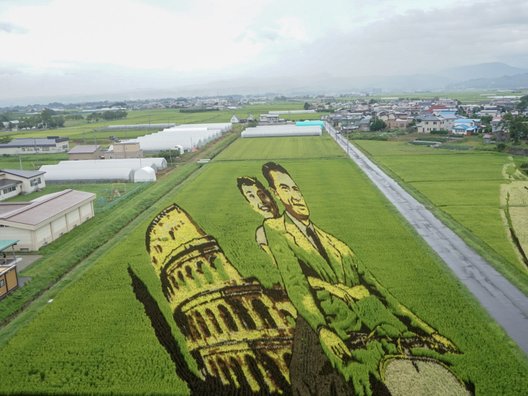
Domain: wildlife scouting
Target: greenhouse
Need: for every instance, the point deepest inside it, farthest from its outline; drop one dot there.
(282, 130)
(146, 174)
(135, 163)
(103, 170)
(188, 136)
(310, 123)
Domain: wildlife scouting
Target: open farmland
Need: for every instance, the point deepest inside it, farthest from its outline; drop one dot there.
(283, 148)
(88, 133)
(465, 187)
(30, 161)
(78, 246)
(94, 337)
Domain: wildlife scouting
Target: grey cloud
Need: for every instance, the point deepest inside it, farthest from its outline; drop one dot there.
(11, 28)
(419, 42)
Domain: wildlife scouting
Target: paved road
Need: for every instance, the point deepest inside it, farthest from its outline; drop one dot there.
(504, 302)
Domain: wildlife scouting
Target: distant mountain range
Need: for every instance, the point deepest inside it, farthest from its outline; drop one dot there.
(481, 71)
(480, 76)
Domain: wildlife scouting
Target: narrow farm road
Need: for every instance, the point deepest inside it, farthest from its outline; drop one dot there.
(503, 301)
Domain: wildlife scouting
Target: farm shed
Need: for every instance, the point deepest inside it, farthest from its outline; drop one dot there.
(282, 130)
(8, 270)
(84, 152)
(44, 219)
(124, 150)
(14, 182)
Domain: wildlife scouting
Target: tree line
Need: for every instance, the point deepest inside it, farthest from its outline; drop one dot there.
(107, 115)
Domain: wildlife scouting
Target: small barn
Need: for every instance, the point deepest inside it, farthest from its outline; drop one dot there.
(85, 152)
(124, 150)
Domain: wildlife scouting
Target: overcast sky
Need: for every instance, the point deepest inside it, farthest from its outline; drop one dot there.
(97, 47)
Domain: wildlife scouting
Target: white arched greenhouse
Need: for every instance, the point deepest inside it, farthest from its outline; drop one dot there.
(55, 173)
(135, 163)
(66, 172)
(188, 136)
(282, 130)
(146, 174)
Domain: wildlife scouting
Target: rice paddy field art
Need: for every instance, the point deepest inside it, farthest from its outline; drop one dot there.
(131, 324)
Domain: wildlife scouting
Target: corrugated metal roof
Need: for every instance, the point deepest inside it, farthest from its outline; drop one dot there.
(4, 244)
(46, 207)
(6, 207)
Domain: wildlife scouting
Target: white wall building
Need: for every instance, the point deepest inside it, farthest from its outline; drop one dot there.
(428, 123)
(14, 182)
(35, 145)
(44, 219)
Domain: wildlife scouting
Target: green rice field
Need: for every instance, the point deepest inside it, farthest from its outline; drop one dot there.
(464, 186)
(94, 336)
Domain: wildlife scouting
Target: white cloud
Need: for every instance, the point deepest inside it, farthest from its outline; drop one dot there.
(131, 34)
(88, 45)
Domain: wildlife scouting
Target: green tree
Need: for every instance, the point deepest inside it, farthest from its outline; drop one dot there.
(517, 126)
(523, 104)
(486, 123)
(377, 124)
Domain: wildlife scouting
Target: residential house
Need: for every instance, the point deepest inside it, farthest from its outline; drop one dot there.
(465, 126)
(427, 123)
(14, 182)
(398, 121)
(269, 119)
(364, 124)
(10, 125)
(448, 117)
